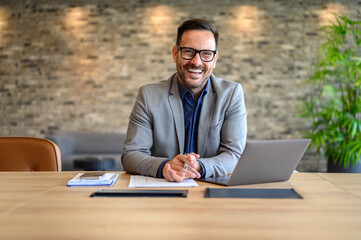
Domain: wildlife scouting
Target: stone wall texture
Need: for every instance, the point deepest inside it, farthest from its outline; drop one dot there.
(75, 66)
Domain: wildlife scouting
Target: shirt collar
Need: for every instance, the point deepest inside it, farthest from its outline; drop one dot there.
(183, 91)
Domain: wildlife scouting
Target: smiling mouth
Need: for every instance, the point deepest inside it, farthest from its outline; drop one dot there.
(194, 73)
(194, 70)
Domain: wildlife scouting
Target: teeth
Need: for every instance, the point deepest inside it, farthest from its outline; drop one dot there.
(195, 70)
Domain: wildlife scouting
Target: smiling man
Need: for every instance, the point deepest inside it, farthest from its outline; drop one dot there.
(193, 124)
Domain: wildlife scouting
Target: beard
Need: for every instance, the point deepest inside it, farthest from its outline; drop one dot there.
(188, 82)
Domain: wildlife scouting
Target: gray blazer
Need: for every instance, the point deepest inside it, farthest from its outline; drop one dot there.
(156, 127)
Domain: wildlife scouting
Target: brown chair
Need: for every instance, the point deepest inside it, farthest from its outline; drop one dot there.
(29, 154)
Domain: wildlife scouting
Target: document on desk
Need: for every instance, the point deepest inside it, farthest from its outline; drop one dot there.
(143, 182)
(108, 179)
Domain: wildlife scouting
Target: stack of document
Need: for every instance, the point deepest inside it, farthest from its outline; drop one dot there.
(107, 179)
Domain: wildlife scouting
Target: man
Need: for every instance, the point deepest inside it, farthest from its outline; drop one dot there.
(193, 124)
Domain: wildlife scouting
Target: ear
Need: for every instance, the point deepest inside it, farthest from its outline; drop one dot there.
(175, 53)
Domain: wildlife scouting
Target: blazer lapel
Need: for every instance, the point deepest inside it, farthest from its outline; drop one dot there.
(206, 117)
(177, 110)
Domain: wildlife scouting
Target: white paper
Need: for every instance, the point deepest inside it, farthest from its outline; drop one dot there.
(142, 181)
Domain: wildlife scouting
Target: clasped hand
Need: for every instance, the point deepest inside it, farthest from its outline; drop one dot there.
(174, 170)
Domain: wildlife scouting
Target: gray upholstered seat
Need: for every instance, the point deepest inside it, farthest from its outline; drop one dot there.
(84, 145)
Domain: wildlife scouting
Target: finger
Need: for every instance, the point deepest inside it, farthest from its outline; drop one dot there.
(191, 160)
(191, 157)
(193, 173)
(166, 173)
(195, 155)
(194, 168)
(194, 159)
(172, 175)
(178, 160)
(189, 173)
(182, 160)
(178, 176)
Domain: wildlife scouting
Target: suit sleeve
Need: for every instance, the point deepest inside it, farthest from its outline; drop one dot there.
(136, 157)
(233, 135)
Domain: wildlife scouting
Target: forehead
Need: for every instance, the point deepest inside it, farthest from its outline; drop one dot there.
(198, 39)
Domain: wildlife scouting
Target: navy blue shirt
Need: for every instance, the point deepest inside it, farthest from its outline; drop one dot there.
(191, 110)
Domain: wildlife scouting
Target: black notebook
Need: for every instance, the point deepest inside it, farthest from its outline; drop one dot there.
(251, 193)
(139, 193)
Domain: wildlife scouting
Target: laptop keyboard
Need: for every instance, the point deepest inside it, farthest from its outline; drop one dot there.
(221, 179)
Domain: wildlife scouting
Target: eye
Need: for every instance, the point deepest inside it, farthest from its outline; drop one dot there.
(207, 53)
(188, 51)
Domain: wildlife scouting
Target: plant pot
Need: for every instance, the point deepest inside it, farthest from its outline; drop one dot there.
(331, 167)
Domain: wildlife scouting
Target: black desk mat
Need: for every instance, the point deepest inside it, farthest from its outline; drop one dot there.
(289, 193)
(139, 193)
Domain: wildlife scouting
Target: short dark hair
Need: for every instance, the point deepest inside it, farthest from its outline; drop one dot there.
(196, 24)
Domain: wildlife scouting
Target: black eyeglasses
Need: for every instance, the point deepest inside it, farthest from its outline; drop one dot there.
(189, 53)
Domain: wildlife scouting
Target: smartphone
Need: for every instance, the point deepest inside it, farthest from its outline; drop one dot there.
(92, 175)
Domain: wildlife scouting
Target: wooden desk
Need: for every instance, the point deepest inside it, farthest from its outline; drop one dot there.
(38, 205)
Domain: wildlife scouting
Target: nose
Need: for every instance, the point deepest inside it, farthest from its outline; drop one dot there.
(196, 60)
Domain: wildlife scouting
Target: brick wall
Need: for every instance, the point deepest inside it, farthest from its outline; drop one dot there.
(76, 65)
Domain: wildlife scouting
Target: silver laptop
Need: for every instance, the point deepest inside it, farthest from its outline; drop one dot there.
(265, 161)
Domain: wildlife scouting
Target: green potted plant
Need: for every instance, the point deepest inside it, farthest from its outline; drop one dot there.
(334, 106)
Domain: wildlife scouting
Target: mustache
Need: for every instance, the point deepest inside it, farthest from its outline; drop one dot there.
(191, 65)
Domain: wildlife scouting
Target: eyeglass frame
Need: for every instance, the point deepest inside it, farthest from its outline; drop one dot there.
(197, 51)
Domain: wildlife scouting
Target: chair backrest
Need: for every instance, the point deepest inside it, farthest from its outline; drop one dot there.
(88, 143)
(29, 154)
